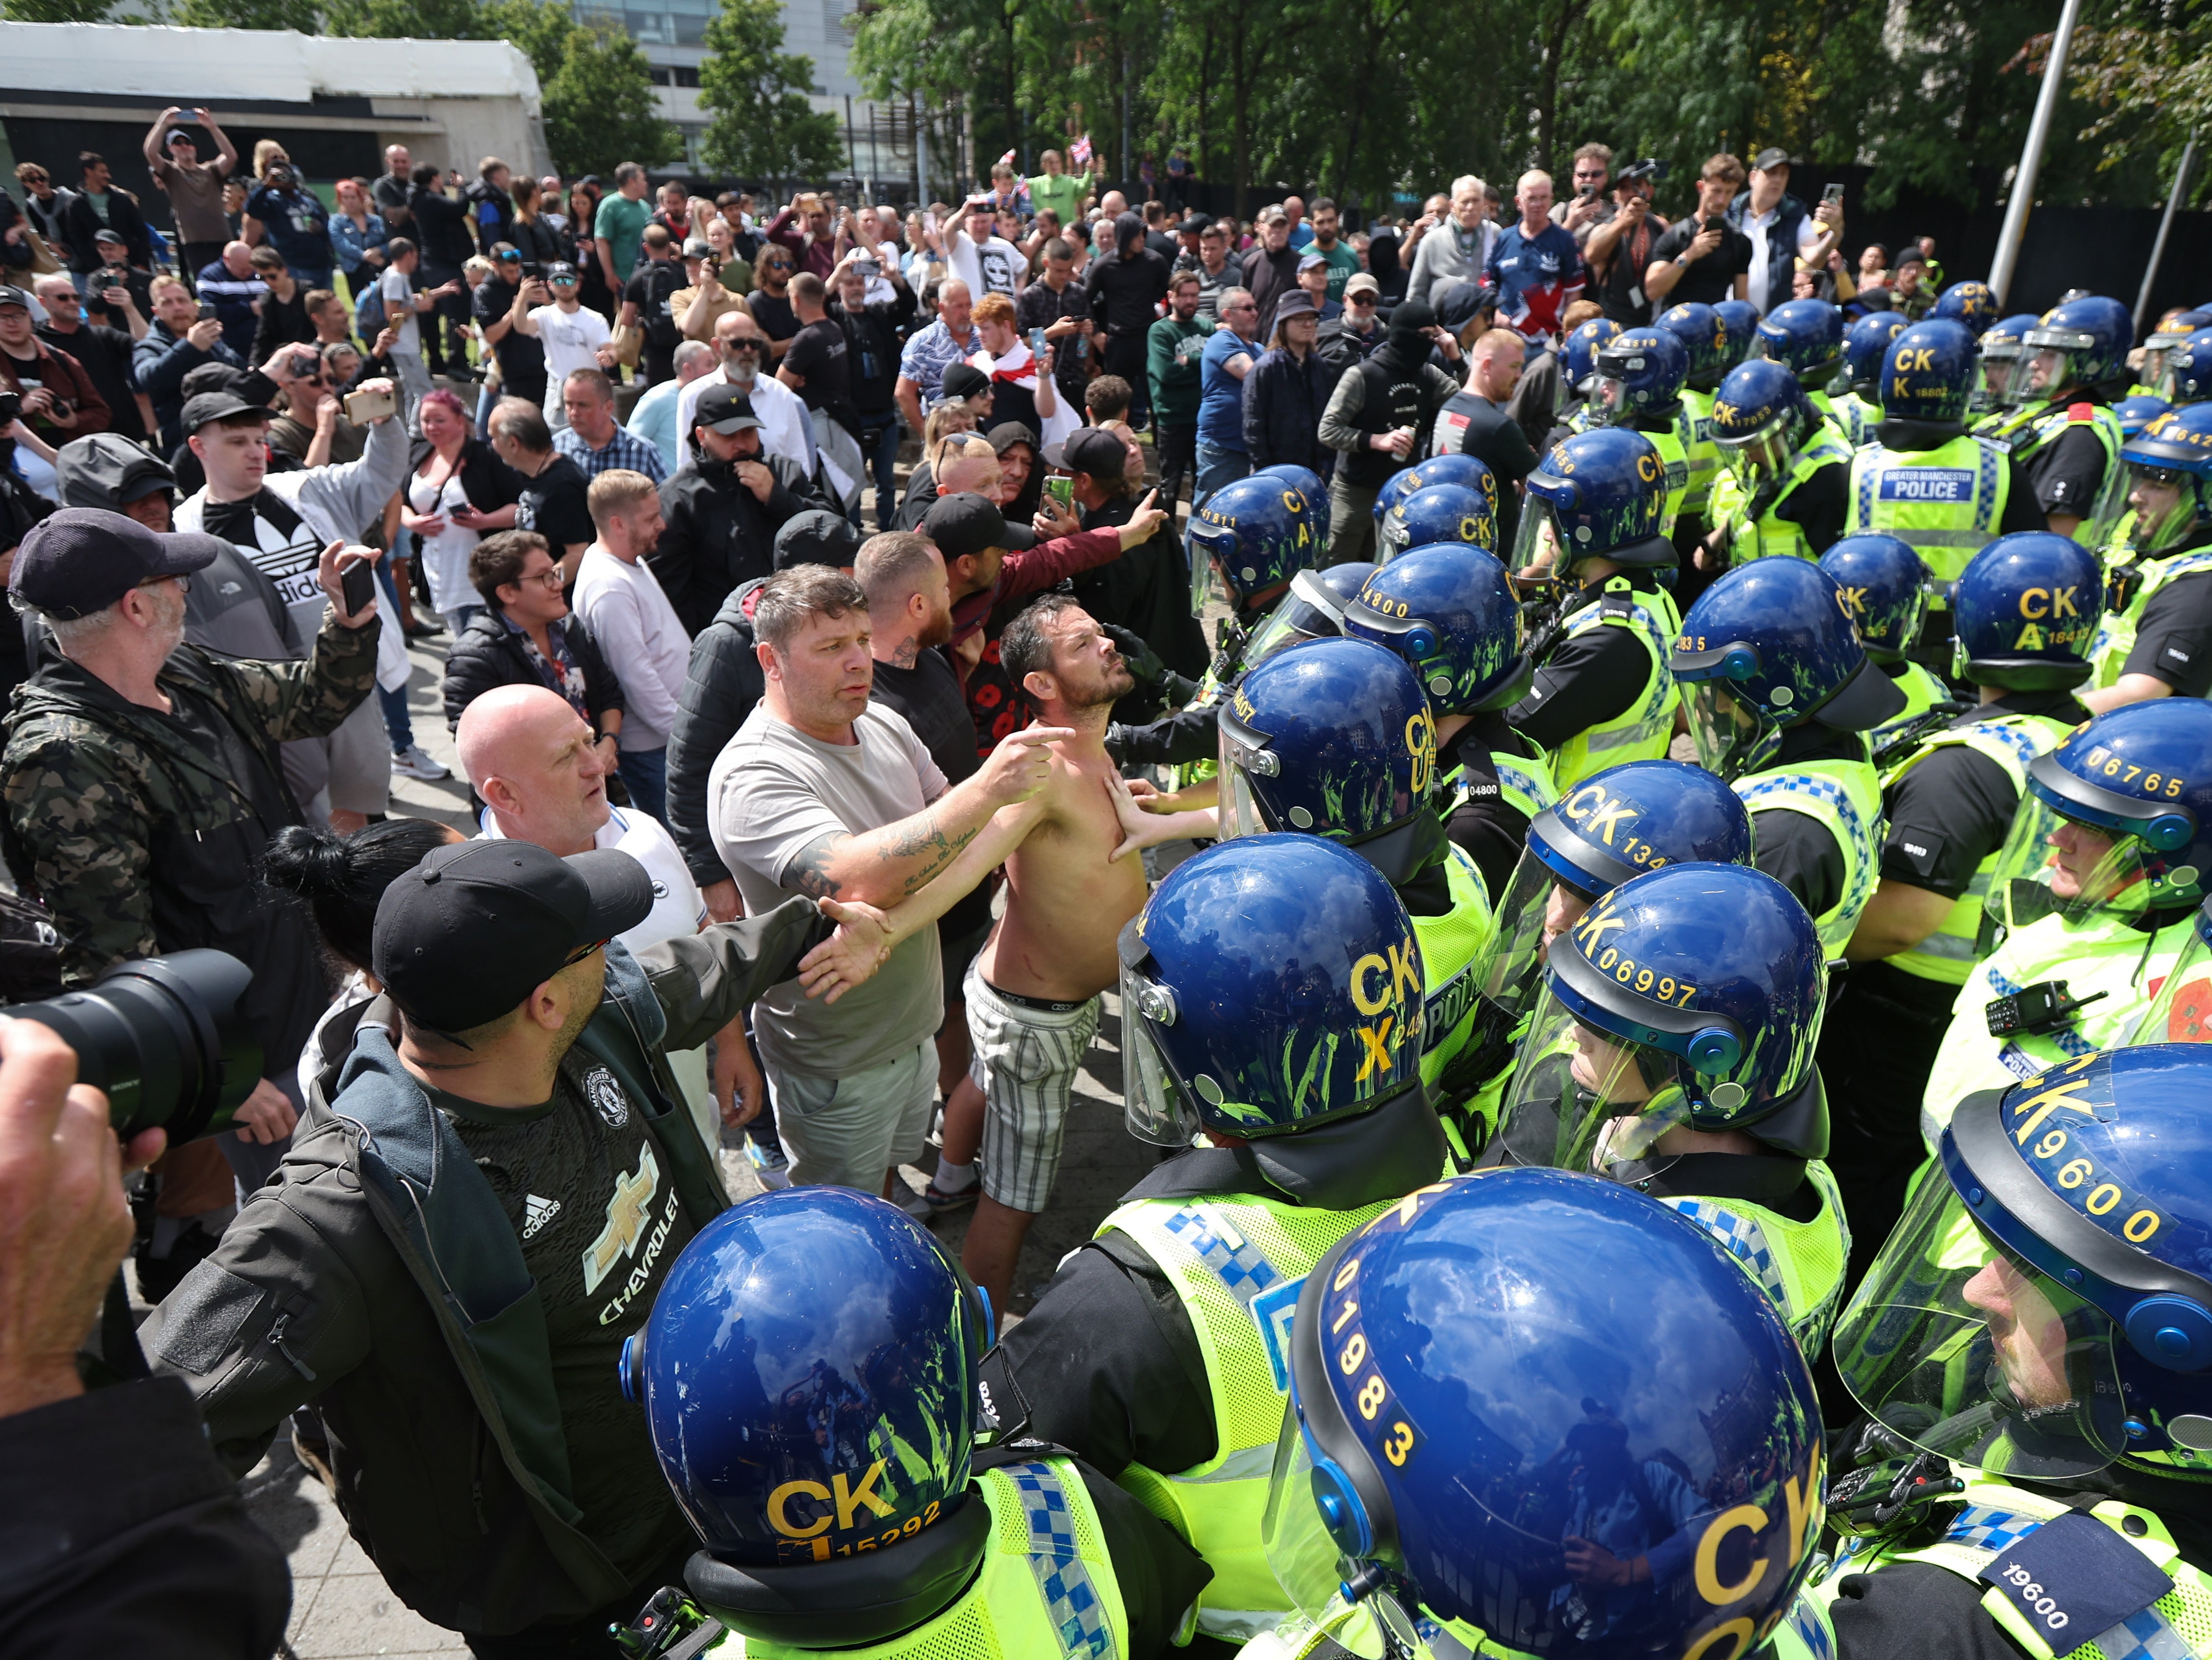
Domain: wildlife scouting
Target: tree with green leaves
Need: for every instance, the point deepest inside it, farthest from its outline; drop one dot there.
(57, 11)
(763, 126)
(599, 107)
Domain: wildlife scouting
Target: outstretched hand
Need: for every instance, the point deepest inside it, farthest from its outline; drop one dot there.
(861, 944)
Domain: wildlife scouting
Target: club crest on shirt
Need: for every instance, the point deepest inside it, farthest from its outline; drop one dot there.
(604, 1093)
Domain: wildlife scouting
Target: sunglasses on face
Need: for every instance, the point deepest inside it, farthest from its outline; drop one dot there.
(581, 953)
(563, 282)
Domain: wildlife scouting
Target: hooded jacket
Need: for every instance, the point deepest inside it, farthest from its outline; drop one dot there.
(490, 654)
(378, 1275)
(1127, 289)
(719, 534)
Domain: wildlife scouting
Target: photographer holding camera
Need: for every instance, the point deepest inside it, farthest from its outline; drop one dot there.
(127, 1537)
(1620, 249)
(143, 778)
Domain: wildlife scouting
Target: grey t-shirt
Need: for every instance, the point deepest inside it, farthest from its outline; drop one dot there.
(774, 791)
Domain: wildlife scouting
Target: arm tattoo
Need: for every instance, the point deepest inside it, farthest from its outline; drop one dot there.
(935, 848)
(809, 873)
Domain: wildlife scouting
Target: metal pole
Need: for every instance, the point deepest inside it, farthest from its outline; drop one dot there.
(920, 154)
(2031, 155)
(2165, 225)
(1128, 164)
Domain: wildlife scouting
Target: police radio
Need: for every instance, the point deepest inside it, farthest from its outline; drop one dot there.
(2037, 1009)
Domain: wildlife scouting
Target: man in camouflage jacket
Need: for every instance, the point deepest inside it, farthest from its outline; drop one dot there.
(143, 783)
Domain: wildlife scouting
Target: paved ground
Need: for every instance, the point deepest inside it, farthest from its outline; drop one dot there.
(341, 1607)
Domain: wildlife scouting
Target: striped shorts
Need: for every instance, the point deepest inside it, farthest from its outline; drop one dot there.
(1025, 1061)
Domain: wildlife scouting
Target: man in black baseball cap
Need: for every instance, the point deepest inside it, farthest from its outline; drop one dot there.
(724, 507)
(495, 1176)
(818, 536)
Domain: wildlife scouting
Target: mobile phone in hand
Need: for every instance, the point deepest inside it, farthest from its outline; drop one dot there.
(357, 582)
(1834, 193)
(1062, 491)
(1036, 343)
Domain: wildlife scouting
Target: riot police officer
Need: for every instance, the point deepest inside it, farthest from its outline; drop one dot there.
(1313, 492)
(1584, 341)
(1450, 468)
(808, 1377)
(2172, 332)
(2189, 370)
(2156, 638)
(1696, 1084)
(1440, 512)
(2134, 413)
(1643, 815)
(1602, 694)
(1999, 355)
(2089, 902)
(1974, 304)
(2023, 610)
(1781, 490)
(1739, 321)
(1924, 480)
(1778, 693)
(1638, 386)
(1450, 612)
(1884, 589)
(1806, 336)
(1495, 1426)
(2057, 419)
(1865, 343)
(1271, 992)
(2032, 1347)
(1705, 337)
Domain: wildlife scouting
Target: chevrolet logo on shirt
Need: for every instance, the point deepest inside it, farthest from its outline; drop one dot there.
(627, 1213)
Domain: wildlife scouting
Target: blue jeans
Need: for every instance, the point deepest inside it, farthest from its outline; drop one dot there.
(1217, 468)
(396, 722)
(645, 774)
(879, 447)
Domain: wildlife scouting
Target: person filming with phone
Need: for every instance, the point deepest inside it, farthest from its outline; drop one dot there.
(1703, 258)
(1780, 229)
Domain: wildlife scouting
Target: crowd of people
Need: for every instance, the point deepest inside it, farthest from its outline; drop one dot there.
(1709, 736)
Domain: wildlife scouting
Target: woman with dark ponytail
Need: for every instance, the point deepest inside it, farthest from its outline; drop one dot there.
(341, 878)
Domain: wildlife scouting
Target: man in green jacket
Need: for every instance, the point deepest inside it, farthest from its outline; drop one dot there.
(479, 1209)
(1058, 189)
(1172, 348)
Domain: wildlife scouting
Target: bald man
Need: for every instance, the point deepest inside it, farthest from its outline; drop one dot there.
(785, 429)
(532, 759)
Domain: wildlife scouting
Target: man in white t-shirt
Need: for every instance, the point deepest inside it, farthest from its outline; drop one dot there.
(825, 793)
(532, 759)
(632, 623)
(1764, 212)
(983, 259)
(573, 336)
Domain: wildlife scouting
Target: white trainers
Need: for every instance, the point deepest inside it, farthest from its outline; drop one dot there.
(412, 763)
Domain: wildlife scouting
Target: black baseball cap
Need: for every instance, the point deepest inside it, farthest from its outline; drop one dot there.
(964, 524)
(1194, 226)
(817, 537)
(964, 381)
(82, 560)
(474, 928)
(1093, 450)
(1771, 157)
(724, 409)
(554, 272)
(14, 296)
(219, 405)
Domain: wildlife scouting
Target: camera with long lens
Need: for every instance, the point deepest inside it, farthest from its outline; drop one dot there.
(162, 1037)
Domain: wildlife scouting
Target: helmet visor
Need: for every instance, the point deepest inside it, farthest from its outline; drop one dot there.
(1585, 1100)
(1242, 753)
(1536, 543)
(1309, 1564)
(1391, 537)
(1969, 1353)
(1608, 400)
(1152, 1101)
(1761, 454)
(2038, 373)
(2056, 864)
(2159, 505)
(1205, 581)
(1732, 737)
(1311, 610)
(1542, 908)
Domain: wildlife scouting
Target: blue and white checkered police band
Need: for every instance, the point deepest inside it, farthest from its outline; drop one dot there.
(1071, 1597)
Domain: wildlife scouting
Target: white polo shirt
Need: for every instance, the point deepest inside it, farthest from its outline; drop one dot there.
(677, 909)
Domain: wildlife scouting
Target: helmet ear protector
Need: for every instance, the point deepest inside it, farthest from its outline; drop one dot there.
(1347, 1489)
(1712, 1042)
(2166, 1312)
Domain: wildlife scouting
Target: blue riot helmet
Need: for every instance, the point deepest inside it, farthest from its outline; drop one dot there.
(2137, 412)
(2080, 343)
(1739, 320)
(1806, 336)
(2170, 335)
(1599, 495)
(1866, 343)
(1312, 610)
(2041, 1309)
(2000, 355)
(1395, 489)
(1974, 304)
(1584, 341)
(1438, 513)
(1250, 536)
(2116, 823)
(1451, 612)
(1615, 825)
(1334, 738)
(1928, 374)
(1760, 416)
(2023, 613)
(1309, 485)
(808, 1379)
(1640, 371)
(1704, 336)
(1271, 990)
(1514, 1388)
(1884, 589)
(1686, 996)
(2189, 370)
(1768, 645)
(1447, 469)
(2164, 481)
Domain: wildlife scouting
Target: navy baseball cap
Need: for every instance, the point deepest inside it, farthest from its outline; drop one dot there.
(471, 932)
(817, 537)
(1097, 452)
(82, 560)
